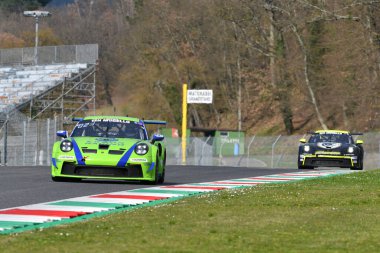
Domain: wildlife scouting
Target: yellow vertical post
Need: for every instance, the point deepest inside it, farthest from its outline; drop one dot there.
(184, 122)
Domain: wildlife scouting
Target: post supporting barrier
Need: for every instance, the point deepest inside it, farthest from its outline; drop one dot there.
(273, 146)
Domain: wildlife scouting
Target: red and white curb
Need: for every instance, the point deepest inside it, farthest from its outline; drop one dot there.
(28, 217)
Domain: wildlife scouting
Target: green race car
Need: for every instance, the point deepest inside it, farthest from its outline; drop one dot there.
(109, 147)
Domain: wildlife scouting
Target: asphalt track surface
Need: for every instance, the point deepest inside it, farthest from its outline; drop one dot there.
(31, 185)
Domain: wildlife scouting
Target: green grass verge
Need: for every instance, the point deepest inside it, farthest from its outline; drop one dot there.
(333, 214)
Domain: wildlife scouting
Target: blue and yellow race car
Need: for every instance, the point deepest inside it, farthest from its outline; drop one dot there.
(331, 148)
(109, 147)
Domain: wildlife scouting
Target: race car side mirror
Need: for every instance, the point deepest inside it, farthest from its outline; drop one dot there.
(359, 142)
(62, 133)
(303, 140)
(157, 137)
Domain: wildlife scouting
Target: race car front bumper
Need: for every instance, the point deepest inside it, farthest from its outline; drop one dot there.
(129, 171)
(328, 161)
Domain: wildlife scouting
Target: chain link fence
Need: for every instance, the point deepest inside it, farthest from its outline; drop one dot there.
(259, 151)
(27, 143)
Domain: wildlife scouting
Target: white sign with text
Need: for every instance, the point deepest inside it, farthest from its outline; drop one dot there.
(199, 96)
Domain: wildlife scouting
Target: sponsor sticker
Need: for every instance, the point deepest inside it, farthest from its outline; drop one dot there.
(141, 160)
(111, 120)
(326, 153)
(66, 157)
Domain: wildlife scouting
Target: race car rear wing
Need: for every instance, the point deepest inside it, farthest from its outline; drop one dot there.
(76, 119)
(146, 122)
(154, 122)
(310, 132)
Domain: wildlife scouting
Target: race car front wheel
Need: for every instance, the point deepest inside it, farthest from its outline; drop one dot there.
(301, 167)
(359, 165)
(162, 176)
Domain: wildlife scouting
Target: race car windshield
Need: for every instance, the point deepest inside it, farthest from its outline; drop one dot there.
(109, 129)
(336, 138)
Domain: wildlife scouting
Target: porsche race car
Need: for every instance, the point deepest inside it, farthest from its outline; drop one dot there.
(109, 147)
(331, 148)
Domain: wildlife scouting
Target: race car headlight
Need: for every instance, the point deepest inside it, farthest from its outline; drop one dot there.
(350, 150)
(306, 148)
(66, 146)
(141, 149)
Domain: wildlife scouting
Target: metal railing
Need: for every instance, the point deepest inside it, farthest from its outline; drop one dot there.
(87, 53)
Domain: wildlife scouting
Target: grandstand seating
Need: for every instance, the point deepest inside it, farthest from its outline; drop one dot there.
(20, 83)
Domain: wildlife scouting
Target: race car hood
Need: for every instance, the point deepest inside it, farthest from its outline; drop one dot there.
(99, 143)
(104, 151)
(329, 147)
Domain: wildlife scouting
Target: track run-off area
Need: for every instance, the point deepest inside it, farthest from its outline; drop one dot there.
(29, 199)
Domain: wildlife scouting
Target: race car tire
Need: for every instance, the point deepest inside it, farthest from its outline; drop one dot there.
(301, 167)
(162, 176)
(359, 166)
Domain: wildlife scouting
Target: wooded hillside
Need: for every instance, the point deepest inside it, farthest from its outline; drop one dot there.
(275, 66)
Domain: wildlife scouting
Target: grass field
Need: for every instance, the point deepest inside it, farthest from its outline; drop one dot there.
(334, 214)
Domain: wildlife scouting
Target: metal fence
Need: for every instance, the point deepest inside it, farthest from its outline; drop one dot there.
(50, 55)
(25, 142)
(259, 151)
